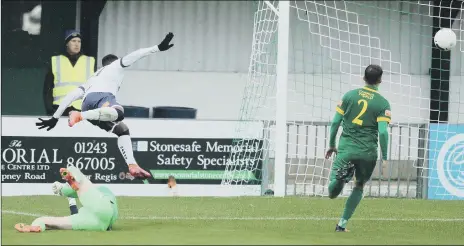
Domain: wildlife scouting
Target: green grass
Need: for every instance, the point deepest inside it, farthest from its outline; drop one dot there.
(233, 221)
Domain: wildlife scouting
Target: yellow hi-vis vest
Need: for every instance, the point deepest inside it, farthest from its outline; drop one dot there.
(68, 78)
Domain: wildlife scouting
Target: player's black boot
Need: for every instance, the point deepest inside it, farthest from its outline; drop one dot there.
(345, 173)
(340, 229)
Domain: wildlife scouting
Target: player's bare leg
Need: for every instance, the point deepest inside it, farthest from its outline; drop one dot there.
(114, 114)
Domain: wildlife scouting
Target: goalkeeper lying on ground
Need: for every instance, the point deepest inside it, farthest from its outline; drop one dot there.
(365, 115)
(99, 208)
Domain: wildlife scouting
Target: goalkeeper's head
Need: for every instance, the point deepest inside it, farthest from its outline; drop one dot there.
(373, 74)
(108, 59)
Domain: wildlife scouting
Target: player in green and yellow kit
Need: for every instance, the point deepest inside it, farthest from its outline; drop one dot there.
(99, 206)
(364, 115)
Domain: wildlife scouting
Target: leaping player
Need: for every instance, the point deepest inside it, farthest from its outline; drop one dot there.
(365, 115)
(100, 106)
(99, 209)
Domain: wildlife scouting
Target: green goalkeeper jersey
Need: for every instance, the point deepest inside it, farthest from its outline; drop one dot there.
(362, 109)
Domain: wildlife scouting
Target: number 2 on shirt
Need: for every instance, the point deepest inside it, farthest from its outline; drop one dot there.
(356, 120)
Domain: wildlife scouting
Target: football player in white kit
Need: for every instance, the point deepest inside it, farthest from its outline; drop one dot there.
(100, 106)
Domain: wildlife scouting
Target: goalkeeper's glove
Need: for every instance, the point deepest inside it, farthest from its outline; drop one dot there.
(56, 188)
(164, 45)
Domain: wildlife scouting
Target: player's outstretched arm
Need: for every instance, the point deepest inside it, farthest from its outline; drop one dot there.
(67, 100)
(77, 93)
(383, 138)
(337, 120)
(131, 58)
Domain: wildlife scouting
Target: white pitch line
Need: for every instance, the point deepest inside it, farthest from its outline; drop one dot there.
(257, 218)
(285, 218)
(22, 213)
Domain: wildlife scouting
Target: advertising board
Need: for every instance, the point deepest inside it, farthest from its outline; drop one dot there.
(190, 161)
(446, 162)
(31, 156)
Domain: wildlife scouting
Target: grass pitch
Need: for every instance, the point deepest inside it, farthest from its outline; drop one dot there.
(246, 220)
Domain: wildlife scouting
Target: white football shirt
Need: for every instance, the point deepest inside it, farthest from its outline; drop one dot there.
(106, 79)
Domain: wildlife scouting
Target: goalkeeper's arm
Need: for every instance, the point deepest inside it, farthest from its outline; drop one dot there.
(383, 138)
(131, 58)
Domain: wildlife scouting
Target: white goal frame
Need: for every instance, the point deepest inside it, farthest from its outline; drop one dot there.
(283, 14)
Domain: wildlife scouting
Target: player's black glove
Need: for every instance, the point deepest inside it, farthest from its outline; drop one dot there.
(164, 45)
(51, 123)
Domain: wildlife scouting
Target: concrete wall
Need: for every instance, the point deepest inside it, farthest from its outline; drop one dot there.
(207, 69)
(219, 95)
(216, 36)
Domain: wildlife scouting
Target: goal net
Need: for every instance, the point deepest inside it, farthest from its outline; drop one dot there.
(330, 43)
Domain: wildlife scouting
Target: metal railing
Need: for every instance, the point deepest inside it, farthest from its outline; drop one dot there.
(308, 171)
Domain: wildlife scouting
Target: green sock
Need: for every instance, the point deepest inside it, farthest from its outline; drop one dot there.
(335, 187)
(39, 223)
(77, 174)
(68, 191)
(350, 206)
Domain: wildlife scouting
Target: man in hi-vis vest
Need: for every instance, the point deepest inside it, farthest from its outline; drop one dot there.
(67, 72)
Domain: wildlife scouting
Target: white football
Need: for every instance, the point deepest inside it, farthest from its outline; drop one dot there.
(445, 39)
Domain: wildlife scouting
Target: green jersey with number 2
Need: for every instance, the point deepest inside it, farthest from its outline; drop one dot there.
(362, 109)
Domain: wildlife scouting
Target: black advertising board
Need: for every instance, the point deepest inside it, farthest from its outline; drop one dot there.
(190, 161)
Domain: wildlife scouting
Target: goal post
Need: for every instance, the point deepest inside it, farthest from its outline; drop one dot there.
(306, 54)
(281, 97)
